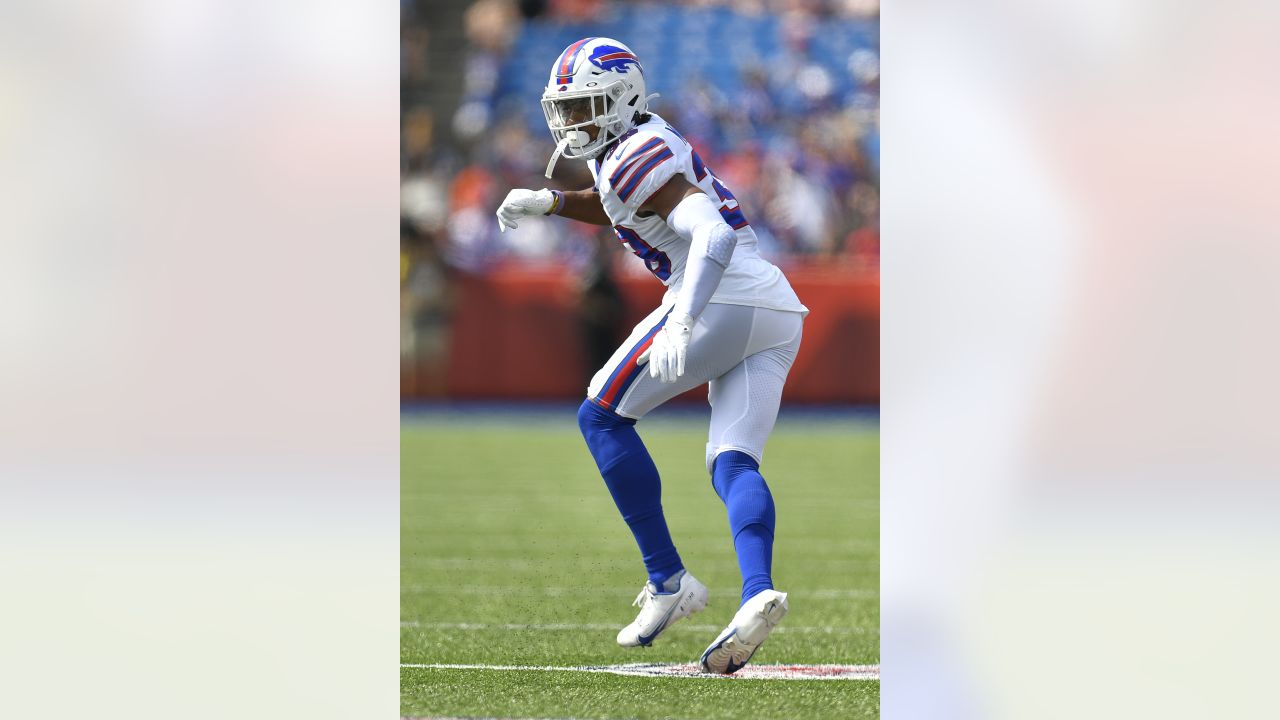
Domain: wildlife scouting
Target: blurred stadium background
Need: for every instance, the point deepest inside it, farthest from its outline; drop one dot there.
(780, 96)
(782, 100)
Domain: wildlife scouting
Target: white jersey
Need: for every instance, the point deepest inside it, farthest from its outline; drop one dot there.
(640, 163)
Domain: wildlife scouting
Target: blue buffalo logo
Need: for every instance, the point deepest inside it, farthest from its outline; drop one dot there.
(612, 57)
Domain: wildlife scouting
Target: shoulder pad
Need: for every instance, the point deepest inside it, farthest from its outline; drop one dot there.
(640, 166)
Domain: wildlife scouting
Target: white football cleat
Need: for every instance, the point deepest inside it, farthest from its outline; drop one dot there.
(733, 649)
(660, 610)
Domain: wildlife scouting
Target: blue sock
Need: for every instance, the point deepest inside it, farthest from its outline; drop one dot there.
(737, 480)
(633, 481)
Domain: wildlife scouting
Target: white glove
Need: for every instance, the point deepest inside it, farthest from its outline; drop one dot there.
(520, 203)
(666, 354)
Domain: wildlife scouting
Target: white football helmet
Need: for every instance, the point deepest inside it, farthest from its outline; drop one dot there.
(595, 82)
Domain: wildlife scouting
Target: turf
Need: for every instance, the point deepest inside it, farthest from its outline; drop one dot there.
(506, 521)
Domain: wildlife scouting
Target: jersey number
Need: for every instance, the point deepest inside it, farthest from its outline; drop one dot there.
(656, 260)
(729, 210)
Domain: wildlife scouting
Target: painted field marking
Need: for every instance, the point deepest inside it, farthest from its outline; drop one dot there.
(554, 627)
(561, 591)
(523, 564)
(688, 670)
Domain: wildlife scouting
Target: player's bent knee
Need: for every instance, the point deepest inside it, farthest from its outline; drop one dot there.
(733, 461)
(593, 419)
(738, 482)
(734, 470)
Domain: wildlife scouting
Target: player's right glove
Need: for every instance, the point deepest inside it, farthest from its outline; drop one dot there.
(666, 354)
(520, 203)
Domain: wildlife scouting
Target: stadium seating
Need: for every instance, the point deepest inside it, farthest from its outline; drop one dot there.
(703, 39)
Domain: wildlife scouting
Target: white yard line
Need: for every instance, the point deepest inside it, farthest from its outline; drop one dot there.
(839, 563)
(505, 626)
(553, 627)
(561, 591)
(751, 672)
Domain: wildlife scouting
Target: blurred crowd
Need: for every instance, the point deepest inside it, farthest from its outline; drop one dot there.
(780, 97)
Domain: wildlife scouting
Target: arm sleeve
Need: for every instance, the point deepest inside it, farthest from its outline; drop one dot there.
(711, 244)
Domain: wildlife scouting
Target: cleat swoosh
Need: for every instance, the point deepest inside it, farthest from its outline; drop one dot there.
(716, 646)
(661, 626)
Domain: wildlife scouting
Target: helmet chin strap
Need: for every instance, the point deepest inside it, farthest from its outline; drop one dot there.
(555, 156)
(576, 138)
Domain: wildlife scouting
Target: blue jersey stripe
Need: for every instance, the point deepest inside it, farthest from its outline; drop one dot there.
(626, 164)
(641, 172)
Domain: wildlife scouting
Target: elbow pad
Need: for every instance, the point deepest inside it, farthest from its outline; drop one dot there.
(697, 219)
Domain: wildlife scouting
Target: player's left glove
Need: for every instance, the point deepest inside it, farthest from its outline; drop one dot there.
(520, 203)
(667, 352)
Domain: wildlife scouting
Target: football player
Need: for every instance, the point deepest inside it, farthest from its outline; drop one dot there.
(729, 319)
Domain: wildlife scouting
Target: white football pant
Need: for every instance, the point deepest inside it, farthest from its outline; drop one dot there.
(744, 353)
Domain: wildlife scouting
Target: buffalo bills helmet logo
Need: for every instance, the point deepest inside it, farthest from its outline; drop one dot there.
(612, 57)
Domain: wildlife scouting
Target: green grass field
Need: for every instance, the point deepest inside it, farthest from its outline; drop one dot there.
(505, 521)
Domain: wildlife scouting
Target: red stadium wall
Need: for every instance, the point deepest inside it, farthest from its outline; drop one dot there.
(515, 336)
